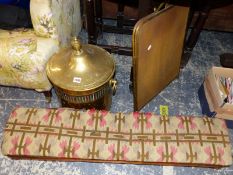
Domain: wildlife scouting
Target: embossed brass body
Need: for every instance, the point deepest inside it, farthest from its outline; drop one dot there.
(83, 76)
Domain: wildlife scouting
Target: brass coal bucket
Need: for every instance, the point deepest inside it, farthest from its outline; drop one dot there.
(83, 76)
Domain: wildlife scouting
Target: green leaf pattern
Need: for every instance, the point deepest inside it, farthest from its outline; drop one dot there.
(45, 26)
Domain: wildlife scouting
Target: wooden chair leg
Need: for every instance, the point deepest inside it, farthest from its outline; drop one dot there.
(99, 14)
(91, 28)
(120, 15)
(48, 95)
(145, 8)
(194, 35)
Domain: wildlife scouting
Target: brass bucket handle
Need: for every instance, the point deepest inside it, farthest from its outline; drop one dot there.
(113, 84)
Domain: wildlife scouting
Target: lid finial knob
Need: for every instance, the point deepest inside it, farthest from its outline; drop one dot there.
(76, 44)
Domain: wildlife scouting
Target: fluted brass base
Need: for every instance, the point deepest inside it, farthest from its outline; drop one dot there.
(103, 103)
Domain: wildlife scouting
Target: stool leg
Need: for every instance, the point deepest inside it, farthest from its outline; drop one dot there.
(194, 35)
(226, 60)
(145, 8)
(120, 15)
(192, 40)
(91, 28)
(48, 95)
(99, 14)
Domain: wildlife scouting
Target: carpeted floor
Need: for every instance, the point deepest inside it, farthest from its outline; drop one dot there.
(181, 96)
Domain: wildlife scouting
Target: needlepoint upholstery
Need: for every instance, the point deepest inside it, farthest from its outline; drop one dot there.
(139, 138)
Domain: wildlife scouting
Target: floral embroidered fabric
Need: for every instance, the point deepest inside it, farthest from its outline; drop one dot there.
(145, 138)
(57, 19)
(23, 57)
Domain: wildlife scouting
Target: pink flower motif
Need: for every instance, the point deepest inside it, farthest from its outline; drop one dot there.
(91, 112)
(28, 141)
(14, 142)
(193, 125)
(46, 116)
(125, 150)
(90, 122)
(104, 113)
(224, 124)
(14, 113)
(136, 115)
(25, 41)
(62, 145)
(148, 115)
(111, 150)
(58, 116)
(221, 153)
(160, 151)
(208, 152)
(181, 123)
(173, 151)
(103, 121)
(136, 123)
(148, 123)
(76, 147)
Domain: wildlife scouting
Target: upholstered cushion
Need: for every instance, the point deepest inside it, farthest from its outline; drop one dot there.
(68, 134)
(17, 32)
(24, 53)
(57, 19)
(23, 57)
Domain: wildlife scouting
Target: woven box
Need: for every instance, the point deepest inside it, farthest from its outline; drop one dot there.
(212, 92)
